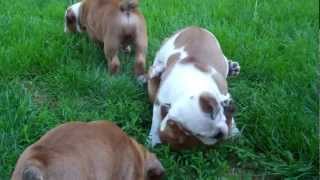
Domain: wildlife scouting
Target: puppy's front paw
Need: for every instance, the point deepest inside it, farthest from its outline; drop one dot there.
(114, 66)
(153, 140)
(234, 68)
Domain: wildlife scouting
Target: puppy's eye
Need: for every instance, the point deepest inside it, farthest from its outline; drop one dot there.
(214, 114)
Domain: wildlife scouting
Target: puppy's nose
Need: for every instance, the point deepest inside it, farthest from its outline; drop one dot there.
(219, 135)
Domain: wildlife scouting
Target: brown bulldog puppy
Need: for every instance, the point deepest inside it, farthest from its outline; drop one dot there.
(115, 23)
(87, 151)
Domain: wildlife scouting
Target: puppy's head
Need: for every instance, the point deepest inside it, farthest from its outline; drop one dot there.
(201, 118)
(72, 18)
(152, 167)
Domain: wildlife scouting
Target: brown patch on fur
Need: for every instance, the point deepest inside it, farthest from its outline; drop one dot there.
(191, 60)
(208, 103)
(104, 20)
(204, 48)
(153, 87)
(178, 137)
(172, 60)
(87, 150)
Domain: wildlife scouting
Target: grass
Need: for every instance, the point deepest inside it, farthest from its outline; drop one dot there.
(48, 78)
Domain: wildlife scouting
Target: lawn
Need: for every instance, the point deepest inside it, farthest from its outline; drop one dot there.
(48, 78)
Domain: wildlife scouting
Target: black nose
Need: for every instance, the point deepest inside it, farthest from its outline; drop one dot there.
(219, 135)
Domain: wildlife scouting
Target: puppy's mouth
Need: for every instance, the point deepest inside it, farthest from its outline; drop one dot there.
(216, 136)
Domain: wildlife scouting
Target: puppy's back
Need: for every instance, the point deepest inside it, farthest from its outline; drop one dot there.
(71, 151)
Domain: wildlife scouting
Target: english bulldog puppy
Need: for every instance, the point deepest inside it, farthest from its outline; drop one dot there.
(188, 87)
(115, 23)
(87, 151)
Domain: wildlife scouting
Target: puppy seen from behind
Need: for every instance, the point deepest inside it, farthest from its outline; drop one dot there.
(117, 24)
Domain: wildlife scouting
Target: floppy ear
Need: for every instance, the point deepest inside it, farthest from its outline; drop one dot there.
(209, 104)
(70, 17)
(164, 109)
(229, 109)
(153, 168)
(228, 106)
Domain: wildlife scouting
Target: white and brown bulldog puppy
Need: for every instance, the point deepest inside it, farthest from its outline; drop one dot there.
(87, 151)
(189, 90)
(115, 23)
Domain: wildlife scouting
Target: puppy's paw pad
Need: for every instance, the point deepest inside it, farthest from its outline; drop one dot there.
(234, 68)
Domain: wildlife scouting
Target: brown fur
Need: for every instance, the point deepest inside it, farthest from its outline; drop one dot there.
(87, 151)
(178, 137)
(198, 64)
(208, 103)
(153, 86)
(104, 22)
(203, 48)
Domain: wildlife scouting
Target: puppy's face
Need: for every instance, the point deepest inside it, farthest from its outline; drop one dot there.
(71, 18)
(202, 117)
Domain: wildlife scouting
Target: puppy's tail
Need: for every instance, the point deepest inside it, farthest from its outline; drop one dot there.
(32, 173)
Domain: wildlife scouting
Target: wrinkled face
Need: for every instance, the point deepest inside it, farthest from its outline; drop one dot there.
(71, 18)
(201, 117)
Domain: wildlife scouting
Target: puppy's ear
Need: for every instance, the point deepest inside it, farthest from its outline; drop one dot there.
(228, 109)
(153, 168)
(70, 17)
(228, 106)
(208, 103)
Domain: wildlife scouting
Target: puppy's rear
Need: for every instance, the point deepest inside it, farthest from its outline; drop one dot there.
(86, 151)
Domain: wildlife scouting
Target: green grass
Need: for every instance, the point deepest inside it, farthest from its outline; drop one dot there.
(48, 78)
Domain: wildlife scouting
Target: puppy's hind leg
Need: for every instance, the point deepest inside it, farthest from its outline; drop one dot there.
(141, 46)
(111, 47)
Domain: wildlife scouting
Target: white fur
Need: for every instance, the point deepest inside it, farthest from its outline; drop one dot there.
(182, 89)
(76, 10)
